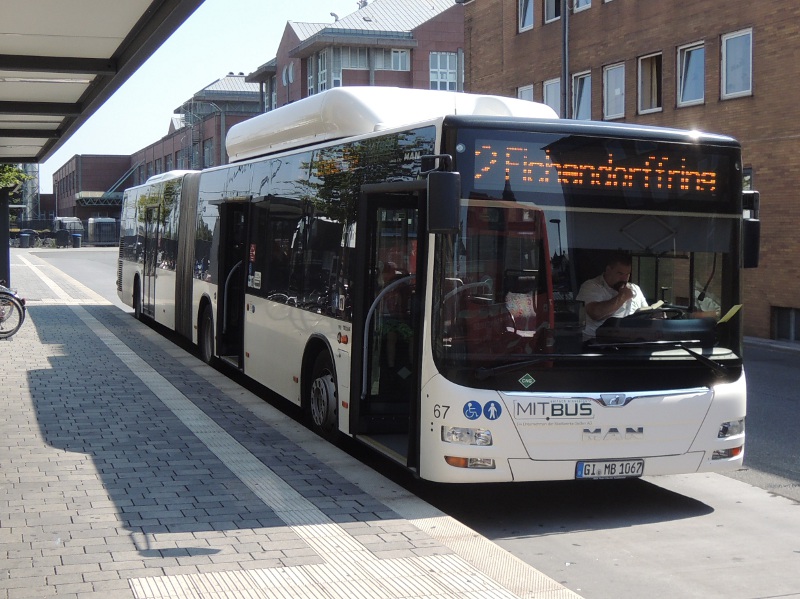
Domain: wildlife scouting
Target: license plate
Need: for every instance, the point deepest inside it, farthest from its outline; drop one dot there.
(610, 469)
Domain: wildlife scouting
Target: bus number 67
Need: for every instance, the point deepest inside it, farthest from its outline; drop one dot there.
(440, 411)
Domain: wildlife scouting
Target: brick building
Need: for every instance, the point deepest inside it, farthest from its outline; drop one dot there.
(90, 186)
(196, 136)
(402, 43)
(705, 65)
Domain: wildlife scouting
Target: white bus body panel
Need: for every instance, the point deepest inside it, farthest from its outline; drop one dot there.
(164, 299)
(678, 433)
(351, 111)
(276, 335)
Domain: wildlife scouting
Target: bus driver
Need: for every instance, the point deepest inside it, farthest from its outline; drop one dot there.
(610, 294)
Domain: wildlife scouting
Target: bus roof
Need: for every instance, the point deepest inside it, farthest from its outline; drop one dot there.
(167, 176)
(348, 111)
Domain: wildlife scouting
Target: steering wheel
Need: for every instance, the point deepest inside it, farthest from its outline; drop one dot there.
(667, 312)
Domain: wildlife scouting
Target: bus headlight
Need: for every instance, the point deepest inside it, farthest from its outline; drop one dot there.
(466, 436)
(731, 428)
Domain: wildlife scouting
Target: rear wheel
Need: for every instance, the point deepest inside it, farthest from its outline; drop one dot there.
(11, 315)
(205, 335)
(137, 300)
(323, 398)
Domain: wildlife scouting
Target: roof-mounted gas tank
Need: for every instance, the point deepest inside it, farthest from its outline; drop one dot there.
(348, 111)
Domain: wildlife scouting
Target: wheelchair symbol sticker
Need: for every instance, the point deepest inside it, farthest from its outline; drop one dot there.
(472, 410)
(492, 410)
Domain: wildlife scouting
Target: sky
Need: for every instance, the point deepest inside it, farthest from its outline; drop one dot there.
(222, 36)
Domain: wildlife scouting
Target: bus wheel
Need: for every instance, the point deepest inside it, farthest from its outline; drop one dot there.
(137, 300)
(323, 398)
(205, 335)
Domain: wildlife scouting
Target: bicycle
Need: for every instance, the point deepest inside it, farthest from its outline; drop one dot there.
(12, 312)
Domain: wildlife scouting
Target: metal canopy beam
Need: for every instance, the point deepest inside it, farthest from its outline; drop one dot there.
(58, 64)
(41, 108)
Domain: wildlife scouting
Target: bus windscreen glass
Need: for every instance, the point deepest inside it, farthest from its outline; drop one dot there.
(541, 217)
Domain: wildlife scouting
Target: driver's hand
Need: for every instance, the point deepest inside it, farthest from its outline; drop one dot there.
(626, 293)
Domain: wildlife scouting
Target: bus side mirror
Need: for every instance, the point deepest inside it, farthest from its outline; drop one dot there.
(444, 202)
(751, 240)
(751, 228)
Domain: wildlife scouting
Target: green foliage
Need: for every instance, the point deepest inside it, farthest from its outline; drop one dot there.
(10, 175)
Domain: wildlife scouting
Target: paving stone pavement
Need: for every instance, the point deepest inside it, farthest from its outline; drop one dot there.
(130, 469)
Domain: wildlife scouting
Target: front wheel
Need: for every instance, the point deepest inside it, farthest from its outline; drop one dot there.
(323, 398)
(205, 335)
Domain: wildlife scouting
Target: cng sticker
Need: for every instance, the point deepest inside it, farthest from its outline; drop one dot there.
(527, 380)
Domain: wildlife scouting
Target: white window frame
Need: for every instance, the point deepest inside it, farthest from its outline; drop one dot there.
(525, 92)
(613, 94)
(577, 78)
(444, 73)
(524, 9)
(552, 10)
(726, 65)
(580, 5)
(683, 51)
(547, 94)
(401, 60)
(336, 67)
(641, 83)
(322, 71)
(310, 74)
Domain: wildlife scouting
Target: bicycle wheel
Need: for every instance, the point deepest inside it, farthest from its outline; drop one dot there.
(11, 315)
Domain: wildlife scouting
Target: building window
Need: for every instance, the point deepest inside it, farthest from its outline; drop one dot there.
(168, 162)
(391, 60)
(551, 92)
(525, 15)
(399, 60)
(614, 91)
(582, 5)
(310, 75)
(691, 74)
(525, 93)
(582, 96)
(336, 69)
(444, 70)
(737, 64)
(786, 324)
(322, 71)
(552, 10)
(159, 166)
(650, 83)
(208, 152)
(273, 95)
(354, 58)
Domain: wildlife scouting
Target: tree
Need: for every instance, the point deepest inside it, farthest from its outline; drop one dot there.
(11, 176)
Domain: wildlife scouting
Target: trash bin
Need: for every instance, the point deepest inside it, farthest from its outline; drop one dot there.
(76, 240)
(24, 240)
(62, 238)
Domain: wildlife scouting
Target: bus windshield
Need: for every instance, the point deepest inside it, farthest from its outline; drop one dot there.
(542, 217)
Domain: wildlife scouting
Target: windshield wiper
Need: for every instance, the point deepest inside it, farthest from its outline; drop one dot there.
(484, 373)
(717, 367)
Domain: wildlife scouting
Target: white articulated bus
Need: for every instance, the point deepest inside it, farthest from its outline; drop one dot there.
(405, 264)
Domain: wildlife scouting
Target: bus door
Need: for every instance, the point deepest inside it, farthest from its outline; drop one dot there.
(231, 286)
(151, 251)
(386, 368)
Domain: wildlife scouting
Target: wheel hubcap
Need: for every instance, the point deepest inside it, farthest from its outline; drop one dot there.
(323, 398)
